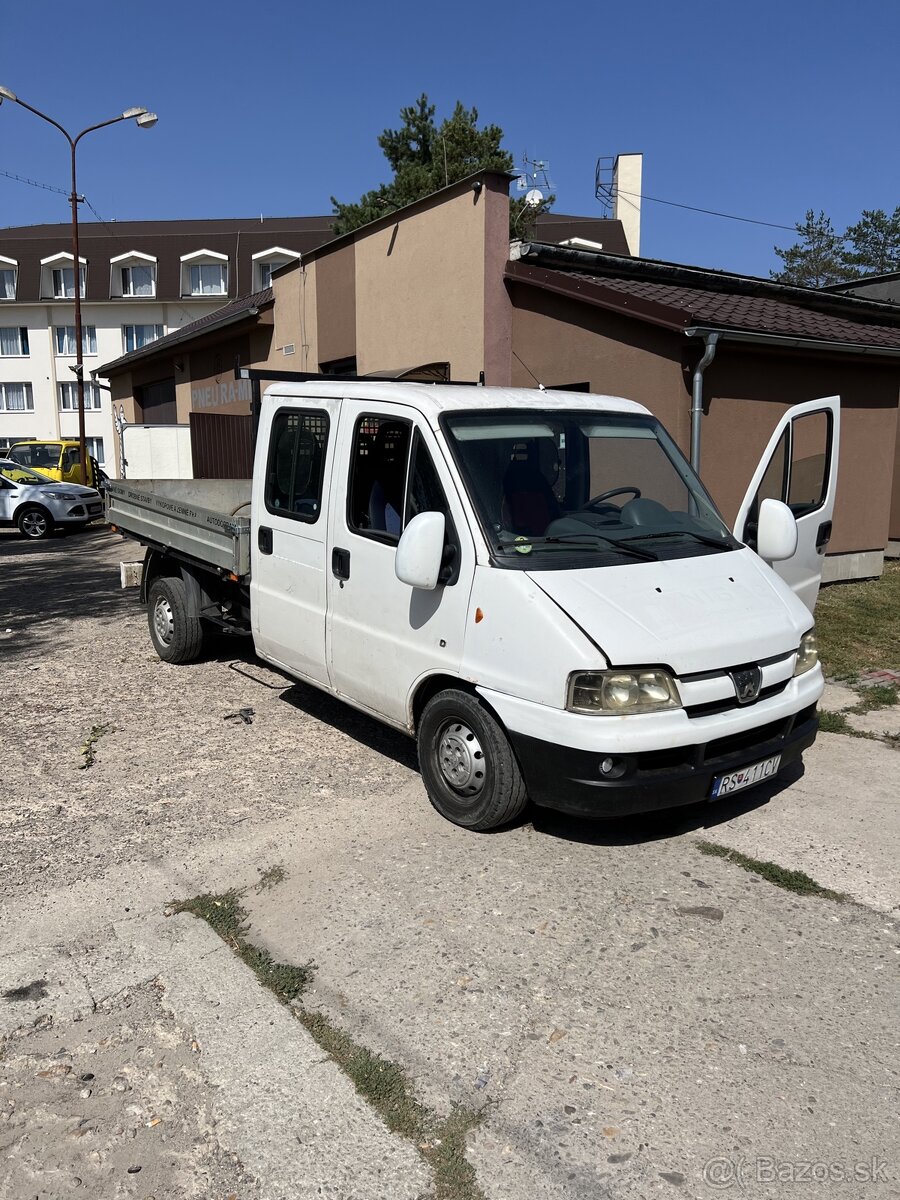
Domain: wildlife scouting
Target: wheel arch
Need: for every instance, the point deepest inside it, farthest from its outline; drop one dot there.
(431, 685)
(158, 565)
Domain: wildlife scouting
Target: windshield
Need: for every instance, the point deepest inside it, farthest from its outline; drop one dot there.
(19, 474)
(563, 489)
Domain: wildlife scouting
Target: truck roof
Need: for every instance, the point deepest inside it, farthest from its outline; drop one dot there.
(433, 399)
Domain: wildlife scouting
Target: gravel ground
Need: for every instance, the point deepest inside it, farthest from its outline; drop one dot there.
(169, 769)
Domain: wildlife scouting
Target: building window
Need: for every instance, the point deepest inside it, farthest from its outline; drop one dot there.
(7, 442)
(267, 261)
(65, 339)
(8, 275)
(16, 397)
(94, 446)
(204, 273)
(64, 282)
(138, 280)
(68, 397)
(14, 342)
(135, 337)
(209, 279)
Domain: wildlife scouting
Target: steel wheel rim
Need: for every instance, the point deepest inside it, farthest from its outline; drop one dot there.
(461, 759)
(163, 620)
(34, 524)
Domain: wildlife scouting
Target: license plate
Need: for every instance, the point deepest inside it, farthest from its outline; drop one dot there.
(95, 508)
(736, 781)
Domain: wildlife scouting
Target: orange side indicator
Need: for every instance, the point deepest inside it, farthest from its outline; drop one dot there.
(479, 616)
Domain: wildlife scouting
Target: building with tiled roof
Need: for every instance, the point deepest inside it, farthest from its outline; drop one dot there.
(439, 282)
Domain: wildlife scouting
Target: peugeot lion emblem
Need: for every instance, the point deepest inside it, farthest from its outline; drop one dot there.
(747, 683)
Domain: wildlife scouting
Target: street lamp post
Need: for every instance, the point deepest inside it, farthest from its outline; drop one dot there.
(146, 120)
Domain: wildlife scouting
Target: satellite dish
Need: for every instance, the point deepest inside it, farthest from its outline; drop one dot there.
(534, 197)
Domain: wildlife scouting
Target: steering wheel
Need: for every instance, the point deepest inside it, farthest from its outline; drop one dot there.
(619, 491)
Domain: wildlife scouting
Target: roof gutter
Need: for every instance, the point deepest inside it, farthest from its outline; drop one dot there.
(709, 354)
(786, 342)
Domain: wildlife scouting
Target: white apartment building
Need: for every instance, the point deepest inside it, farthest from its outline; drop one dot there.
(139, 280)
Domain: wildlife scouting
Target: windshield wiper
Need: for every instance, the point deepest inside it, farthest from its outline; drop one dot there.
(585, 541)
(667, 533)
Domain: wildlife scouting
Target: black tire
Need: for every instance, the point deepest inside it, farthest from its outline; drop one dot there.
(34, 523)
(175, 629)
(468, 766)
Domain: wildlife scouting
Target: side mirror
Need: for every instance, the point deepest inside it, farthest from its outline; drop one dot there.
(776, 535)
(420, 551)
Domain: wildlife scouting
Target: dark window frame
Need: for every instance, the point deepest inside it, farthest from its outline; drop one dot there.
(377, 535)
(290, 411)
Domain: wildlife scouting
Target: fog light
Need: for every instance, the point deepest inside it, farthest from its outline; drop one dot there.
(612, 768)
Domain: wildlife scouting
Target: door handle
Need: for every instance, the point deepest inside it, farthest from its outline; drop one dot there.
(823, 536)
(340, 564)
(264, 539)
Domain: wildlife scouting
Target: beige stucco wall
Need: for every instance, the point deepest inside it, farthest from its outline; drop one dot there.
(558, 341)
(420, 288)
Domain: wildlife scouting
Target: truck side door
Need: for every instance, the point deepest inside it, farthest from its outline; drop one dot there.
(383, 635)
(288, 587)
(799, 468)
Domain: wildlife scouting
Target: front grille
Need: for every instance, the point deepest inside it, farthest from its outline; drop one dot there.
(730, 702)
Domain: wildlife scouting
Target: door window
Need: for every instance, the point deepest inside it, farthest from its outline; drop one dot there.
(378, 462)
(798, 470)
(296, 465)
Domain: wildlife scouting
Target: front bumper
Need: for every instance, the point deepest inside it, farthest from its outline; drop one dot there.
(569, 779)
(78, 513)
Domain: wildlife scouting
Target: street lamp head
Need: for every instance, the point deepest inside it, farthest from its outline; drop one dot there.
(6, 94)
(147, 120)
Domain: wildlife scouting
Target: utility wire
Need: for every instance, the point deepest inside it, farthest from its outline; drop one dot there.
(608, 196)
(47, 187)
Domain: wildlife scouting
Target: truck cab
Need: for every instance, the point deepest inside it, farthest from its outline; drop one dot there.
(58, 460)
(535, 585)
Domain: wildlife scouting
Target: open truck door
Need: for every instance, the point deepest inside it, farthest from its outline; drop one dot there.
(799, 468)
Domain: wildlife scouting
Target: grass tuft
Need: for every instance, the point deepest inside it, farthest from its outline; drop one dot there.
(383, 1084)
(792, 881)
(879, 695)
(834, 722)
(857, 626)
(88, 747)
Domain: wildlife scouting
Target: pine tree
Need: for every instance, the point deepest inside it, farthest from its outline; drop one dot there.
(875, 241)
(425, 157)
(817, 259)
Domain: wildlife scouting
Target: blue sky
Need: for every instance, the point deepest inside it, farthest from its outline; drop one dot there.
(762, 109)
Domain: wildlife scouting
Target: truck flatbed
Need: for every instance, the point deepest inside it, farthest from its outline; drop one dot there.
(203, 519)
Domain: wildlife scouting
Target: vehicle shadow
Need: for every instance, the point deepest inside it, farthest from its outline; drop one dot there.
(66, 577)
(357, 725)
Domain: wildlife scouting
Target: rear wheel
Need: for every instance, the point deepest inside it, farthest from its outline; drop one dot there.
(468, 766)
(35, 523)
(175, 629)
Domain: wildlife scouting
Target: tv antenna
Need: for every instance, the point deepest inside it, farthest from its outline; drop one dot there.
(534, 180)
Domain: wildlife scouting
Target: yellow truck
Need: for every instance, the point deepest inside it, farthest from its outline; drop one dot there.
(58, 460)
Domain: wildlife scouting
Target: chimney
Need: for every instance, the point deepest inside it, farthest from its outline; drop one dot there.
(626, 191)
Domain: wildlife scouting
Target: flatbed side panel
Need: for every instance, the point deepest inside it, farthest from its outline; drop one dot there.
(169, 513)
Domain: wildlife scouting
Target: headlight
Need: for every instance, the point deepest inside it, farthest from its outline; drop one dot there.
(611, 692)
(61, 495)
(808, 654)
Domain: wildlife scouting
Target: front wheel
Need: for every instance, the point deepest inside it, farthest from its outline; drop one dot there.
(467, 764)
(175, 629)
(35, 523)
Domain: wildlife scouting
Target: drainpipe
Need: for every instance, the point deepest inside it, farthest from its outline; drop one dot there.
(697, 397)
